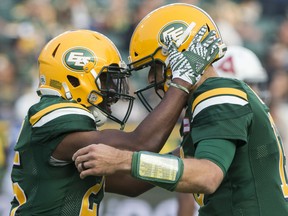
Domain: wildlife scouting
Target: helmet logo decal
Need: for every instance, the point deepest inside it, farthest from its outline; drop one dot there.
(175, 28)
(75, 58)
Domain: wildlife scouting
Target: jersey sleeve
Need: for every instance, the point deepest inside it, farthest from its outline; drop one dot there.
(221, 113)
(51, 124)
(219, 151)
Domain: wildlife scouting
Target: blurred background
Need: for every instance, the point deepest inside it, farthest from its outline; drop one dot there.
(27, 25)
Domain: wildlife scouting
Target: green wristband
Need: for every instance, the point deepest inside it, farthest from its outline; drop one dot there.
(161, 170)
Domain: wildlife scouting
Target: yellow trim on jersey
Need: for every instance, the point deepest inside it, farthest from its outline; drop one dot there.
(41, 113)
(16, 160)
(218, 91)
(85, 205)
(20, 196)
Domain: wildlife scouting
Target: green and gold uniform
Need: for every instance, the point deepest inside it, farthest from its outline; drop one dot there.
(43, 185)
(255, 183)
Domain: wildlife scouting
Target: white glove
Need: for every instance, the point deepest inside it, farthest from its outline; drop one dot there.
(190, 64)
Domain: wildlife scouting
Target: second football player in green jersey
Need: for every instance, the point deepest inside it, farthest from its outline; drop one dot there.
(63, 192)
(228, 109)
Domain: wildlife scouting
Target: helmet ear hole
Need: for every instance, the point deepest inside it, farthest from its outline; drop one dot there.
(208, 27)
(73, 81)
(55, 51)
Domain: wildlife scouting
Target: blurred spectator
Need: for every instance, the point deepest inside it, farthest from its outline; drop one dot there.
(8, 86)
(275, 9)
(11, 129)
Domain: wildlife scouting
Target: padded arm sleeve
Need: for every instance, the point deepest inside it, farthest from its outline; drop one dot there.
(161, 170)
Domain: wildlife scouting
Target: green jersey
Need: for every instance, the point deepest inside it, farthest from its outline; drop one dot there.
(46, 186)
(255, 184)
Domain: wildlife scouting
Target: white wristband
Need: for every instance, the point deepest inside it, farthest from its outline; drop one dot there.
(179, 87)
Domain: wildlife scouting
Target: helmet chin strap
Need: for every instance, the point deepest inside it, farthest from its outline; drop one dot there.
(47, 91)
(67, 91)
(100, 117)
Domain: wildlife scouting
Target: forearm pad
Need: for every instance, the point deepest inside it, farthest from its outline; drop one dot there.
(163, 171)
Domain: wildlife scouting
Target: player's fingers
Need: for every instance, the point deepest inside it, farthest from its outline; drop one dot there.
(197, 38)
(214, 46)
(83, 166)
(90, 172)
(80, 167)
(222, 50)
(85, 162)
(80, 159)
(209, 39)
(89, 164)
(85, 173)
(213, 51)
(82, 151)
(170, 43)
(78, 153)
(199, 35)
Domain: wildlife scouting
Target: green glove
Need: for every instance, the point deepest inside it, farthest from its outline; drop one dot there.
(190, 64)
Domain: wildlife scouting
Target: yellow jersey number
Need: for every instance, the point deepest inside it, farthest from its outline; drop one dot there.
(87, 208)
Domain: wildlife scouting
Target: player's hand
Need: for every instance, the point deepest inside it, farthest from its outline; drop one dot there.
(100, 160)
(190, 64)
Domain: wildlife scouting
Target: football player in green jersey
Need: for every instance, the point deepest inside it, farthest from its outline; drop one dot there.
(235, 160)
(234, 65)
(81, 76)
